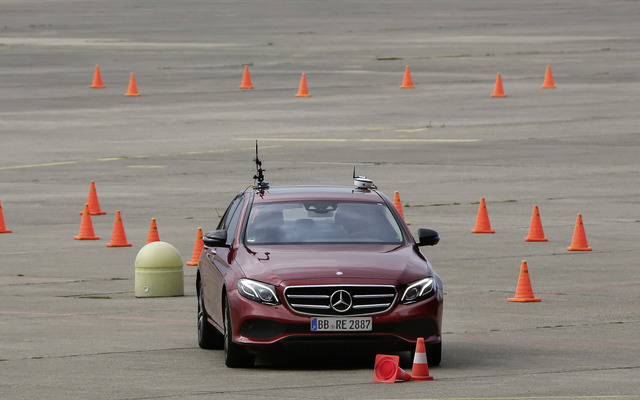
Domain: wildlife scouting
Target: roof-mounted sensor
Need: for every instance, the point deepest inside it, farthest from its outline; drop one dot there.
(362, 182)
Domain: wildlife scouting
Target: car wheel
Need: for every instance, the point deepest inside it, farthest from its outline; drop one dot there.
(208, 336)
(234, 356)
(434, 353)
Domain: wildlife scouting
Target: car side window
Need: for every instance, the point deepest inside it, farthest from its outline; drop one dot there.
(229, 221)
(233, 222)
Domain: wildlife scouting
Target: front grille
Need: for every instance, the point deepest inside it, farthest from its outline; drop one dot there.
(339, 300)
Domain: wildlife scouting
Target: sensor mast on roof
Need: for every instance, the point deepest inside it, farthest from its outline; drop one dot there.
(259, 176)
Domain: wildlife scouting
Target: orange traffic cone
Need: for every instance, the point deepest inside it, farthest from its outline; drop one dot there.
(303, 91)
(118, 237)
(86, 226)
(246, 79)
(197, 248)
(548, 80)
(524, 293)
(579, 240)
(3, 228)
(536, 234)
(497, 89)
(97, 80)
(407, 82)
(387, 370)
(133, 87)
(92, 200)
(153, 232)
(420, 370)
(482, 220)
(398, 204)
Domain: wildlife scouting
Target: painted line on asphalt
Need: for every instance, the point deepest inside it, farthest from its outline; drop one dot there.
(110, 159)
(370, 140)
(567, 342)
(591, 289)
(617, 396)
(146, 319)
(189, 153)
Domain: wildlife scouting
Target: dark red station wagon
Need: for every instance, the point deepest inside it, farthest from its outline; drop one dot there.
(312, 265)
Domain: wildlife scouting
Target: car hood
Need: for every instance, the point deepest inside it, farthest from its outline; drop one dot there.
(333, 264)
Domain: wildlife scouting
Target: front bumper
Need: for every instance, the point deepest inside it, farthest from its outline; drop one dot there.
(259, 325)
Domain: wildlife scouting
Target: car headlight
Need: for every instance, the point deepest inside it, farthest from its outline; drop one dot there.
(258, 291)
(419, 290)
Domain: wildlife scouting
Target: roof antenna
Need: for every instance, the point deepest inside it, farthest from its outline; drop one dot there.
(259, 172)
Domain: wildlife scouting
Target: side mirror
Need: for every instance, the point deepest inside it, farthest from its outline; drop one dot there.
(427, 237)
(215, 239)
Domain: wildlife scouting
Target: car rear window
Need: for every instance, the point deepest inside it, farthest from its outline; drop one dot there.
(322, 222)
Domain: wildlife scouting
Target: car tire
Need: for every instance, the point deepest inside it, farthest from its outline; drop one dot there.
(434, 354)
(208, 336)
(234, 356)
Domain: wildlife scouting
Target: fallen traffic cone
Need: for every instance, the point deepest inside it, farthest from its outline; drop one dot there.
(118, 237)
(579, 240)
(97, 80)
(153, 232)
(386, 369)
(86, 226)
(133, 87)
(497, 89)
(536, 234)
(3, 228)
(197, 248)
(246, 79)
(548, 80)
(482, 220)
(524, 293)
(407, 82)
(92, 200)
(398, 204)
(420, 370)
(303, 91)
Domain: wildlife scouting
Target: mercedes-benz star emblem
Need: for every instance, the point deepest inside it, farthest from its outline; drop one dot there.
(341, 301)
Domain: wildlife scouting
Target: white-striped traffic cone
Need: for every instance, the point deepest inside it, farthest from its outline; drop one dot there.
(420, 370)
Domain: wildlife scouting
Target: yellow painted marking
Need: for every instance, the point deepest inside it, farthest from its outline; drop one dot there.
(52, 164)
(293, 140)
(411, 130)
(343, 140)
(623, 396)
(108, 159)
(146, 166)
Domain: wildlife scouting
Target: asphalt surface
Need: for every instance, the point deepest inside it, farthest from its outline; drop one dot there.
(70, 325)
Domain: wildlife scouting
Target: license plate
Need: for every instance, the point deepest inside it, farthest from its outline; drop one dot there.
(336, 324)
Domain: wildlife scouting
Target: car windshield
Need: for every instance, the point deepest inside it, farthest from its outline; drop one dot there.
(321, 222)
